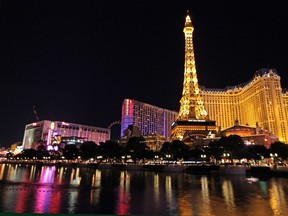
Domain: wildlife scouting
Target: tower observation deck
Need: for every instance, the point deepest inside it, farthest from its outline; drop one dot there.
(192, 121)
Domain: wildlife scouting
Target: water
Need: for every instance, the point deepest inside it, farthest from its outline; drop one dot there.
(67, 190)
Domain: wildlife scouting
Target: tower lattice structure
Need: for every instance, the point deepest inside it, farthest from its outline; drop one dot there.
(192, 121)
(192, 105)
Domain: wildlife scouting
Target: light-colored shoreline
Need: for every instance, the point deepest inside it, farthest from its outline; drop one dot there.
(197, 169)
(226, 169)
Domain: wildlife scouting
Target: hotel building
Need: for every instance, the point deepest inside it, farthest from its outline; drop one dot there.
(150, 120)
(261, 101)
(55, 132)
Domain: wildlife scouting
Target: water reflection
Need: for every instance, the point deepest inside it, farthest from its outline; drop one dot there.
(205, 195)
(51, 189)
(277, 199)
(228, 194)
(123, 199)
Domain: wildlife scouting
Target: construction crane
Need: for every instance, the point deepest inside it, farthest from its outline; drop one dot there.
(35, 113)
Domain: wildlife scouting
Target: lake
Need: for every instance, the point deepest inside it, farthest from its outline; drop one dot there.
(75, 190)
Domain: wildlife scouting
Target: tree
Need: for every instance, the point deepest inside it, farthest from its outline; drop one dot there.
(8, 155)
(88, 150)
(42, 151)
(280, 148)
(180, 150)
(136, 147)
(195, 154)
(233, 145)
(215, 150)
(29, 153)
(110, 149)
(70, 152)
(166, 149)
(257, 152)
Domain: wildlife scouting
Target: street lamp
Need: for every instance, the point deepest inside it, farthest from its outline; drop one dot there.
(226, 157)
(274, 157)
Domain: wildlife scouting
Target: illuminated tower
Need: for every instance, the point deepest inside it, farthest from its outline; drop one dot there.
(192, 121)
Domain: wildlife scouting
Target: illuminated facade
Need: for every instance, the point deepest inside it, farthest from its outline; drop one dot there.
(148, 118)
(192, 121)
(260, 101)
(251, 135)
(53, 132)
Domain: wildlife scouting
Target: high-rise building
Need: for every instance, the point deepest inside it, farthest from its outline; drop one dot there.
(192, 121)
(151, 120)
(261, 101)
(53, 132)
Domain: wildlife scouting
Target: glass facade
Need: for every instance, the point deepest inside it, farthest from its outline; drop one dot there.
(148, 118)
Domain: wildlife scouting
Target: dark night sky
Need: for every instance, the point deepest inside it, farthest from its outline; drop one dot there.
(77, 60)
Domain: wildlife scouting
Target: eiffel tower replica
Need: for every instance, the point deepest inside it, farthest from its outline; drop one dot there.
(192, 122)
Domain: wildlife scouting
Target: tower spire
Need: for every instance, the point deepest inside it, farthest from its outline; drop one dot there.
(188, 22)
(191, 103)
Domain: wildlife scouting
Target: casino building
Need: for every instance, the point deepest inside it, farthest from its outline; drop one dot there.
(261, 102)
(55, 132)
(149, 119)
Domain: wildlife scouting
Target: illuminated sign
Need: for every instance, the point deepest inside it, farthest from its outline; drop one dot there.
(196, 120)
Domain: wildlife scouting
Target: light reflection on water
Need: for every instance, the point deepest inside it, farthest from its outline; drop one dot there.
(48, 189)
